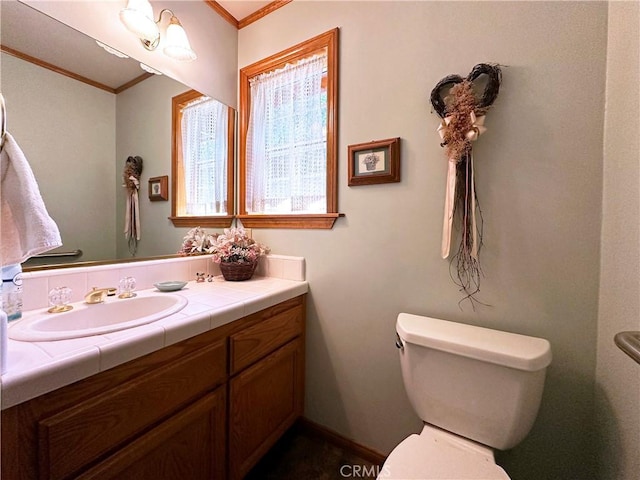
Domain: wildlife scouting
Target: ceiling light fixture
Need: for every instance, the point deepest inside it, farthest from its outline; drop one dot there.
(112, 51)
(148, 69)
(138, 18)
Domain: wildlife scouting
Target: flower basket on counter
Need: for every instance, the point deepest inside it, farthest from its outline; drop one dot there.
(237, 254)
(236, 271)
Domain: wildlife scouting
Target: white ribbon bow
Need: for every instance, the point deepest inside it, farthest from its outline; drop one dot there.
(135, 181)
(477, 127)
(442, 128)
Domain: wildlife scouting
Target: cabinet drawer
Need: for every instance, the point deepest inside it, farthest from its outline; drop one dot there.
(189, 445)
(253, 343)
(74, 437)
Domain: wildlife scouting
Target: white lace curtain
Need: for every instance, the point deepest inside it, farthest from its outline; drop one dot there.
(286, 140)
(204, 154)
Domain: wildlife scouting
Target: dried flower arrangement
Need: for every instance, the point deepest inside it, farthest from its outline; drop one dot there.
(235, 246)
(197, 242)
(462, 114)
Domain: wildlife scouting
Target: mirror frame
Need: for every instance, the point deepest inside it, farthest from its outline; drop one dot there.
(94, 263)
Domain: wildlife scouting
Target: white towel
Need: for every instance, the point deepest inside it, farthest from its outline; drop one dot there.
(27, 229)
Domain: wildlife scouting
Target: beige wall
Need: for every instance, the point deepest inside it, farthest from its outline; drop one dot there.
(539, 181)
(617, 376)
(69, 139)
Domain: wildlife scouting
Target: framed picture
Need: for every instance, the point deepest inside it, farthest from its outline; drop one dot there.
(159, 188)
(374, 162)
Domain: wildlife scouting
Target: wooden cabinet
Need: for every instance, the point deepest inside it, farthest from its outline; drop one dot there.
(206, 408)
(266, 390)
(189, 445)
(265, 401)
(91, 428)
(255, 342)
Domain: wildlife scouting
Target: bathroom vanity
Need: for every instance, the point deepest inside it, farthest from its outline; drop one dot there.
(206, 406)
(189, 410)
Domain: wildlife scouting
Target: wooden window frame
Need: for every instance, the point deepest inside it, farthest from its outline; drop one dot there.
(328, 40)
(178, 198)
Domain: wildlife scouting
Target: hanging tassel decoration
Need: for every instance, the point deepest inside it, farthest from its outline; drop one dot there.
(463, 115)
(131, 176)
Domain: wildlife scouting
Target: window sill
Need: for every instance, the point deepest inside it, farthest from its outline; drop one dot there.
(221, 221)
(316, 221)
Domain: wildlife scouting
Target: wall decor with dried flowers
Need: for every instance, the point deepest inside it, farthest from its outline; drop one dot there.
(131, 181)
(462, 103)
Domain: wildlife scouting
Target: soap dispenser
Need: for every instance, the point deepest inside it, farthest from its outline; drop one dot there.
(12, 291)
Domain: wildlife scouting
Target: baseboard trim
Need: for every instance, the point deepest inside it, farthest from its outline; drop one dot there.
(315, 429)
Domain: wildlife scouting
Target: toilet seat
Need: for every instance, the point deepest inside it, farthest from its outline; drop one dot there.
(435, 454)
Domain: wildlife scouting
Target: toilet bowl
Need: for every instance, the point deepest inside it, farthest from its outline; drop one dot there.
(476, 390)
(438, 454)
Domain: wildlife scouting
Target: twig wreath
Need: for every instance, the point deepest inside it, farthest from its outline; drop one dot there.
(462, 113)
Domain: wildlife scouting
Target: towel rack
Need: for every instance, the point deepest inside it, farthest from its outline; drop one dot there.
(73, 253)
(3, 121)
(629, 343)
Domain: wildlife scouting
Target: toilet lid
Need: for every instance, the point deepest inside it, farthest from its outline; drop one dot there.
(440, 455)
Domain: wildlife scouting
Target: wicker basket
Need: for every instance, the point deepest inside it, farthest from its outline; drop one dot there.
(237, 272)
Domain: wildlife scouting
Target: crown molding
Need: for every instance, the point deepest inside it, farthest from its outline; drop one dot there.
(249, 19)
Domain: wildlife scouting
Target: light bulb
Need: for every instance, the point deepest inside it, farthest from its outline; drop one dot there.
(176, 43)
(138, 18)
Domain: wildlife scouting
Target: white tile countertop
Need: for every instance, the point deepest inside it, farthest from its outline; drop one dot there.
(35, 368)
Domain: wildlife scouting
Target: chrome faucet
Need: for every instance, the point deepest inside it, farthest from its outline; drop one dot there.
(97, 295)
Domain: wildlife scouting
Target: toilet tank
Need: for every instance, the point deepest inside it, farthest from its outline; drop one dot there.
(479, 383)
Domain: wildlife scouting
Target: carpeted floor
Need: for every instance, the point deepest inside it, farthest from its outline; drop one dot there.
(298, 456)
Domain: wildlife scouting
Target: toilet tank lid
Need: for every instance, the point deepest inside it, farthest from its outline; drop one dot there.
(494, 346)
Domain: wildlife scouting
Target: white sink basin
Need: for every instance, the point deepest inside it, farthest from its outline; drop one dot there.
(86, 320)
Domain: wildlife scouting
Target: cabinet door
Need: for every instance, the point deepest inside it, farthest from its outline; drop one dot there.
(189, 445)
(265, 400)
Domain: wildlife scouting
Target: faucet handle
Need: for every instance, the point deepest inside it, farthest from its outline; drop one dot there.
(127, 286)
(59, 299)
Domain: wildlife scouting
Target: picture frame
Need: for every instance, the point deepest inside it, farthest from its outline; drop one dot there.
(374, 162)
(159, 188)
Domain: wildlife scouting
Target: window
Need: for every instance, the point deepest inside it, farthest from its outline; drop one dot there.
(202, 161)
(288, 137)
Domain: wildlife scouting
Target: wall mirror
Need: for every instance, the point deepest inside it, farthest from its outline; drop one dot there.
(77, 136)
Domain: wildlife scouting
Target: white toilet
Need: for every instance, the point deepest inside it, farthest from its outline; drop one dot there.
(476, 389)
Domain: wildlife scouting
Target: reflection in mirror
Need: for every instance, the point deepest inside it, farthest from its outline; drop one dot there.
(201, 161)
(77, 133)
